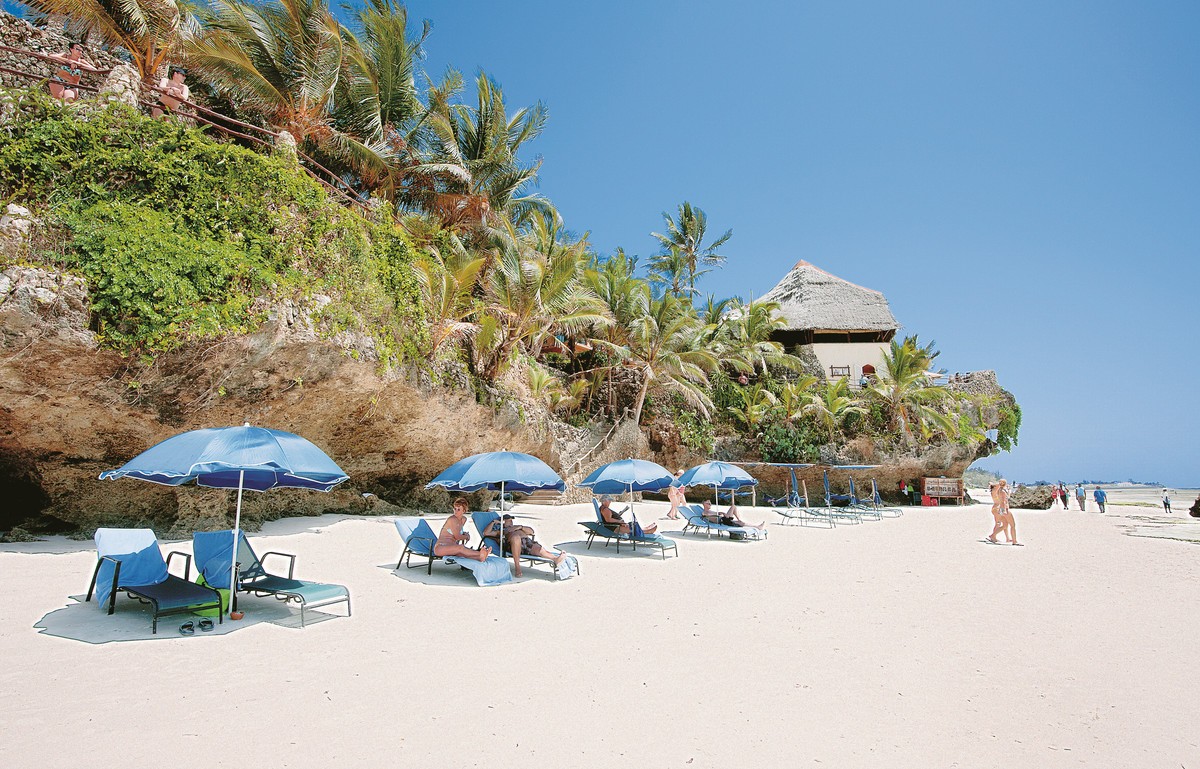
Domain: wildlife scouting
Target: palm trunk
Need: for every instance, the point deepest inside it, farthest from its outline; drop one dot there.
(637, 412)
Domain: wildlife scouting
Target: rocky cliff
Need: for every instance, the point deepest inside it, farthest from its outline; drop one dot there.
(71, 409)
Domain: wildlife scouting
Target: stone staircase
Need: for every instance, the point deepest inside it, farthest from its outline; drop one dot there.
(543, 497)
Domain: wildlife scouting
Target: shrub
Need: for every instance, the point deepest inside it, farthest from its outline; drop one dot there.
(789, 442)
(153, 284)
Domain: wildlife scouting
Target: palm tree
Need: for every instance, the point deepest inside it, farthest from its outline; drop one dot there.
(284, 61)
(832, 405)
(796, 395)
(665, 349)
(686, 234)
(447, 287)
(672, 270)
(481, 185)
(151, 31)
(378, 95)
(751, 326)
(904, 386)
(536, 289)
(757, 404)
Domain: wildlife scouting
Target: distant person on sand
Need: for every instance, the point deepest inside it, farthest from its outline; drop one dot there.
(1101, 497)
(729, 517)
(1064, 496)
(1054, 495)
(677, 495)
(453, 537)
(1166, 499)
(997, 494)
(1081, 496)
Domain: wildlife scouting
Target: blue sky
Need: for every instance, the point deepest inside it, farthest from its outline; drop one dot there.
(1021, 179)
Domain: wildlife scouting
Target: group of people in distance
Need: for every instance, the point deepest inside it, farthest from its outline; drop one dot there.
(1005, 522)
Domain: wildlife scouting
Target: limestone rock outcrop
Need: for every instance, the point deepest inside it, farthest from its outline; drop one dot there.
(1031, 497)
(70, 409)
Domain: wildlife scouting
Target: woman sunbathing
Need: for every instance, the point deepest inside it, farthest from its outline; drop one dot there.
(452, 539)
(729, 517)
(520, 540)
(614, 521)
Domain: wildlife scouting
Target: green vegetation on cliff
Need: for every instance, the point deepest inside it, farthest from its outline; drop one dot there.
(178, 234)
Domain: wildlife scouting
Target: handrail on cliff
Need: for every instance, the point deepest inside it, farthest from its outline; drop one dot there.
(601, 444)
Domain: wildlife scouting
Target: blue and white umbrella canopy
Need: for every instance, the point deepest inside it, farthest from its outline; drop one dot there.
(254, 458)
(719, 475)
(628, 475)
(504, 470)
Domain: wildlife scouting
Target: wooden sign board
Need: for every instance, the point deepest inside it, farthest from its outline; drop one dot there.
(942, 487)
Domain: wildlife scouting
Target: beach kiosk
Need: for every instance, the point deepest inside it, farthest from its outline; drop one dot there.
(934, 490)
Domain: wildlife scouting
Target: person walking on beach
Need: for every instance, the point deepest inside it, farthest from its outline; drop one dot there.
(1081, 497)
(1101, 497)
(1010, 523)
(1063, 496)
(677, 496)
(1054, 494)
(1166, 499)
(994, 489)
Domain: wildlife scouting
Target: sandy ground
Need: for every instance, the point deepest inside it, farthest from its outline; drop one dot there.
(896, 643)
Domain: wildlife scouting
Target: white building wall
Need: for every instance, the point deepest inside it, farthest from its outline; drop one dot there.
(852, 354)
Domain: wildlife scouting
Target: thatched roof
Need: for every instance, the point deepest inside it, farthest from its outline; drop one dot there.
(811, 299)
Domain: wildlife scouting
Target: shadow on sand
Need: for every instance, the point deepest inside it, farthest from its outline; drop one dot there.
(86, 621)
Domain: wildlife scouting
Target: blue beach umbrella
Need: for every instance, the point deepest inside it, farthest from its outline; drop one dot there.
(719, 475)
(503, 470)
(628, 475)
(511, 470)
(242, 458)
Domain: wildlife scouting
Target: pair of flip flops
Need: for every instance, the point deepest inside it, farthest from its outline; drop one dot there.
(189, 628)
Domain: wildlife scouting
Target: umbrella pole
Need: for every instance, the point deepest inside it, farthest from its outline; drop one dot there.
(237, 525)
(632, 515)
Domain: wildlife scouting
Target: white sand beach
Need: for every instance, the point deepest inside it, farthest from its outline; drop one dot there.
(897, 643)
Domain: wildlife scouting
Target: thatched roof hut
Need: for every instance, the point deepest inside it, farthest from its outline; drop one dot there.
(821, 307)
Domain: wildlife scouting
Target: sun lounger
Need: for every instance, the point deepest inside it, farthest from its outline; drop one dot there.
(130, 560)
(890, 512)
(483, 520)
(419, 539)
(801, 516)
(697, 522)
(608, 533)
(213, 552)
(867, 509)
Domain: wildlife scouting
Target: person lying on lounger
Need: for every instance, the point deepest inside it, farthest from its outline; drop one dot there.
(453, 537)
(615, 522)
(520, 540)
(729, 517)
